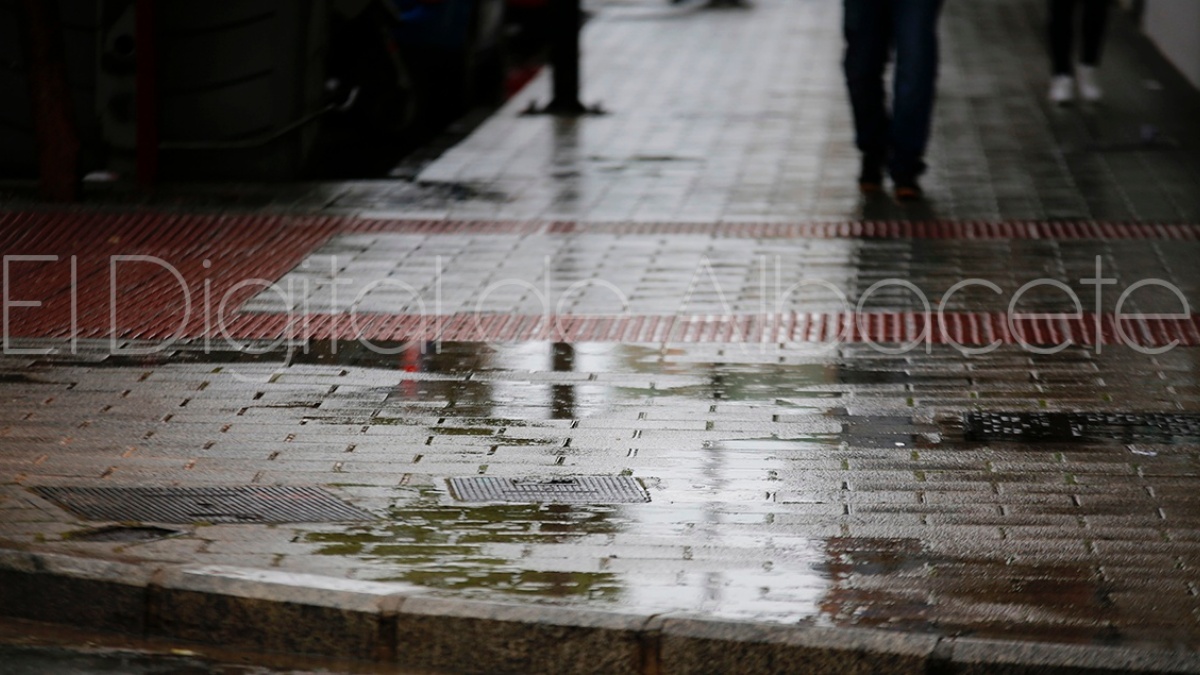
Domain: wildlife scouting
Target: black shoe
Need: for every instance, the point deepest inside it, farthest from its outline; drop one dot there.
(907, 189)
(870, 179)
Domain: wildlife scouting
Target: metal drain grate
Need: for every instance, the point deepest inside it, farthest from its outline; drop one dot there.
(1063, 427)
(243, 504)
(576, 490)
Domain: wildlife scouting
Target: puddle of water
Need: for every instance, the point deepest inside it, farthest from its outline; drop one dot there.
(800, 443)
(865, 377)
(22, 378)
(459, 547)
(899, 584)
(463, 431)
(741, 383)
(501, 548)
(129, 534)
(460, 192)
(893, 583)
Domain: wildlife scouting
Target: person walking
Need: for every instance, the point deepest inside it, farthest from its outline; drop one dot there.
(895, 140)
(1063, 15)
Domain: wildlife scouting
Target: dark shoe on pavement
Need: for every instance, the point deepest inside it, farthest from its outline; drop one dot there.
(870, 179)
(908, 190)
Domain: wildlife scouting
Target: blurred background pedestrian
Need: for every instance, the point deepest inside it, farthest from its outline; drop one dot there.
(1069, 80)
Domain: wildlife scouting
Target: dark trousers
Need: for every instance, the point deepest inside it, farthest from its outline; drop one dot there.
(874, 30)
(1063, 14)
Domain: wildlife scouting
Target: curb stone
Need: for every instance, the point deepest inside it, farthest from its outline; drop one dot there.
(270, 610)
(101, 594)
(971, 656)
(276, 611)
(465, 636)
(696, 645)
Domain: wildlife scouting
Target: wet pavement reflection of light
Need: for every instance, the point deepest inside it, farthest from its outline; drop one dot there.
(611, 275)
(837, 490)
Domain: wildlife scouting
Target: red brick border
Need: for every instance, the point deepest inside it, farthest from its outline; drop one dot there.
(885, 328)
(216, 254)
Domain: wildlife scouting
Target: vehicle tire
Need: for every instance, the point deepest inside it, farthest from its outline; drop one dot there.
(236, 72)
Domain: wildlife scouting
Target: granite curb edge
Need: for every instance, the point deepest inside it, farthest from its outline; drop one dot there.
(277, 611)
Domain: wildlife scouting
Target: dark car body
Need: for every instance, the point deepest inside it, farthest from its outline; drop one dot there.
(257, 89)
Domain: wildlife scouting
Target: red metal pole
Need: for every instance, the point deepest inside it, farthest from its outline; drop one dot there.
(147, 93)
(53, 123)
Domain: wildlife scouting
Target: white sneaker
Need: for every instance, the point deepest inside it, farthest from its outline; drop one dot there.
(1062, 89)
(1088, 87)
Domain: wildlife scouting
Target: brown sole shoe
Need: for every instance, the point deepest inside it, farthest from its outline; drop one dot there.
(908, 191)
(869, 188)
(870, 177)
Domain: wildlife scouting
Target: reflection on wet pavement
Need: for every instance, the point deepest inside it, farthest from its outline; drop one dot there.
(839, 490)
(478, 548)
(610, 274)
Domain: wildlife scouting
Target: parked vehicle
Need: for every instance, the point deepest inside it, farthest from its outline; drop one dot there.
(402, 69)
(259, 89)
(455, 46)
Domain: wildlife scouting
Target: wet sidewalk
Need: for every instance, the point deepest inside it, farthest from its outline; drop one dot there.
(845, 490)
(657, 345)
(728, 114)
(736, 114)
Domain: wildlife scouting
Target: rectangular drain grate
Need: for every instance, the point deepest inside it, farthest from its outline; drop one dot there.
(575, 490)
(184, 505)
(1066, 427)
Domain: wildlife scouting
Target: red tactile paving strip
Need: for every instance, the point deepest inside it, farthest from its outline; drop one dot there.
(844, 230)
(903, 230)
(935, 230)
(220, 256)
(212, 254)
(892, 328)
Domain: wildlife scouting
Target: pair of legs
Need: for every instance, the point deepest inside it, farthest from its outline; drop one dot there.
(1062, 32)
(875, 29)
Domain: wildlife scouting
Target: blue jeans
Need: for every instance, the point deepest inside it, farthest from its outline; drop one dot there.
(874, 28)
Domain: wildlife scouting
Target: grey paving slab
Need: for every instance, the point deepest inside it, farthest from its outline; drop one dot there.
(614, 275)
(742, 116)
(814, 499)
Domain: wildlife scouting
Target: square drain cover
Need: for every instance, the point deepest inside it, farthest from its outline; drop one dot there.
(574, 490)
(1062, 427)
(184, 505)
